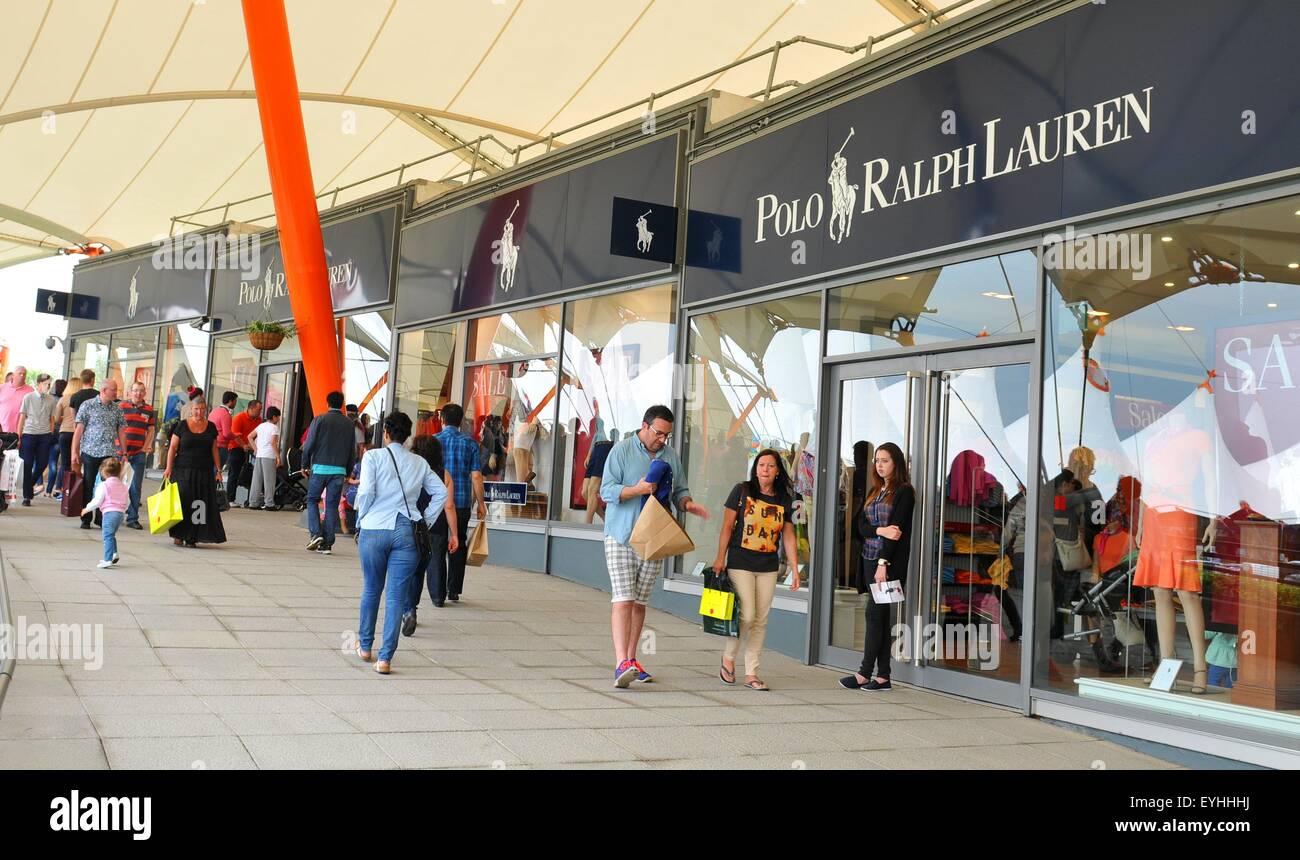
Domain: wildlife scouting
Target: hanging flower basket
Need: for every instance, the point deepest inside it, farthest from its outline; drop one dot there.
(267, 335)
(265, 339)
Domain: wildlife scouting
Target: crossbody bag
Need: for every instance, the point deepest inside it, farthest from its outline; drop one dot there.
(419, 528)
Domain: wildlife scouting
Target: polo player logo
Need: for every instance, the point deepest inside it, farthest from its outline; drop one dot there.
(49, 304)
(843, 195)
(714, 245)
(268, 289)
(643, 235)
(509, 252)
(134, 301)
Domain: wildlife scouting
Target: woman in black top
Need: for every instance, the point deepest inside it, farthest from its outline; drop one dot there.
(756, 523)
(444, 533)
(193, 463)
(886, 522)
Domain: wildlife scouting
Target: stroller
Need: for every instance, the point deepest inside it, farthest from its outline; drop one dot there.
(1109, 614)
(290, 491)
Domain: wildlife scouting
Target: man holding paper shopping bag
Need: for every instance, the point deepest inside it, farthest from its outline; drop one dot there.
(624, 488)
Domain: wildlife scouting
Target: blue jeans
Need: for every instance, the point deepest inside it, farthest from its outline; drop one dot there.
(112, 521)
(332, 486)
(137, 462)
(435, 567)
(35, 452)
(388, 558)
(54, 468)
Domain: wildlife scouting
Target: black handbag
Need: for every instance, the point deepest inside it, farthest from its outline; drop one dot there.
(419, 528)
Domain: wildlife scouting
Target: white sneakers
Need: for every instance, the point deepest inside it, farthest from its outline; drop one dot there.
(104, 564)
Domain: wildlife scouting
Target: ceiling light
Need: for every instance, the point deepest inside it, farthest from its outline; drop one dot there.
(1181, 327)
(1166, 238)
(995, 295)
(1272, 304)
(1093, 313)
(902, 277)
(1169, 283)
(1293, 265)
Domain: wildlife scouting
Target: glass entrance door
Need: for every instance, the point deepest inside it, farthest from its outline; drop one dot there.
(278, 387)
(962, 421)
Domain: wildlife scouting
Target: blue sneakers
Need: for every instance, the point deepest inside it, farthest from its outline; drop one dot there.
(642, 675)
(623, 675)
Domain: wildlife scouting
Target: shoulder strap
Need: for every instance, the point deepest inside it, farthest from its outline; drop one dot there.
(398, 472)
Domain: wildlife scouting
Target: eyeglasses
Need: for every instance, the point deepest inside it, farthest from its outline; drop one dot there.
(663, 437)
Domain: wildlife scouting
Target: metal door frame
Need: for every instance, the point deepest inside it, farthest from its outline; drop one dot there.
(290, 408)
(924, 456)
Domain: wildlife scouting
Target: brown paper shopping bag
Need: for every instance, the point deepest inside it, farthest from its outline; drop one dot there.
(478, 546)
(657, 535)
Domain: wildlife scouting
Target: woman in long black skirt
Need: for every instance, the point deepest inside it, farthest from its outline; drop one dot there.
(193, 463)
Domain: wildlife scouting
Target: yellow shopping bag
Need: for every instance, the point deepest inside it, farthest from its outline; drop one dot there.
(165, 508)
(717, 604)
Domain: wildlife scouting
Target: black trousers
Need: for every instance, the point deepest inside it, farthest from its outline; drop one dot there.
(456, 560)
(1009, 608)
(238, 457)
(875, 651)
(435, 568)
(65, 451)
(90, 474)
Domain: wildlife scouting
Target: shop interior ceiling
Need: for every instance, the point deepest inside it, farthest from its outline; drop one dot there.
(118, 115)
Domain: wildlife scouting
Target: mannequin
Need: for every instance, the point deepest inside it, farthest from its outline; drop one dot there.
(522, 449)
(1167, 536)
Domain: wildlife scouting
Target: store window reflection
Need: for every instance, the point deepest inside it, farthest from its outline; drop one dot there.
(366, 342)
(90, 352)
(1170, 407)
(234, 368)
(182, 362)
(752, 378)
(978, 298)
(427, 362)
(132, 355)
(618, 360)
(509, 402)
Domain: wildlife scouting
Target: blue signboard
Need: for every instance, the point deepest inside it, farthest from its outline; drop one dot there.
(505, 491)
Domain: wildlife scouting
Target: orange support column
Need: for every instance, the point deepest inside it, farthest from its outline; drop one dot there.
(287, 163)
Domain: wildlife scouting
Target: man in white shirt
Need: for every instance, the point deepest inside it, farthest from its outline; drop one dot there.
(266, 448)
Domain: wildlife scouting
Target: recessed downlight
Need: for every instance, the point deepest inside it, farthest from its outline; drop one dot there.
(1166, 238)
(1181, 327)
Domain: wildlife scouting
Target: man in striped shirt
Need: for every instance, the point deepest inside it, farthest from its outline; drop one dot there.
(141, 424)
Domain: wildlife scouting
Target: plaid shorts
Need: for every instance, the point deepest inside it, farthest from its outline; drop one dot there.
(630, 577)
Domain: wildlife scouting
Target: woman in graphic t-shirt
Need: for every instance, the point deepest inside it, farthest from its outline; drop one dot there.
(756, 524)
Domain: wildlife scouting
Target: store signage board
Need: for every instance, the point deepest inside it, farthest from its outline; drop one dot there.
(508, 492)
(1039, 126)
(134, 291)
(51, 302)
(608, 220)
(358, 258)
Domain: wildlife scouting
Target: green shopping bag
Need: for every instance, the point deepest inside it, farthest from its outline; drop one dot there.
(165, 508)
(718, 626)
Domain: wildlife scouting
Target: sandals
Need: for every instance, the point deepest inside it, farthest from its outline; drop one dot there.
(365, 655)
(757, 684)
(723, 673)
(1199, 687)
(383, 667)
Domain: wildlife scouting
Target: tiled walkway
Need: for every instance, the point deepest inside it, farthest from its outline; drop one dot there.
(231, 657)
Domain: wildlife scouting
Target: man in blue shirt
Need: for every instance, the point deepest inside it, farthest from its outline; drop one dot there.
(460, 457)
(623, 488)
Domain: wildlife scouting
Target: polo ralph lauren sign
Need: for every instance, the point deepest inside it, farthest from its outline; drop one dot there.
(1039, 126)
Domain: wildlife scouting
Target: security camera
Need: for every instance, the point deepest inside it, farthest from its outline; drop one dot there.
(49, 342)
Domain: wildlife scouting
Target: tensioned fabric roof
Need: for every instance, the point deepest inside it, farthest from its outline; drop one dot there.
(116, 115)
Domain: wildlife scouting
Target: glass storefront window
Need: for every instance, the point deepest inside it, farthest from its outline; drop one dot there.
(535, 331)
(182, 362)
(510, 413)
(427, 363)
(753, 378)
(1170, 395)
(973, 299)
(618, 360)
(234, 368)
(90, 352)
(367, 339)
(132, 355)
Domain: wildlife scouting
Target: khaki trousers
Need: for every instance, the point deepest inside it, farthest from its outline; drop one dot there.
(754, 592)
(591, 492)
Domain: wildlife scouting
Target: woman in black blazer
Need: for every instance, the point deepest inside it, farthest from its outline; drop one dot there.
(886, 525)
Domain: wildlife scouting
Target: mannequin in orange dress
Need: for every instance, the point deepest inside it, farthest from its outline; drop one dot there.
(1167, 542)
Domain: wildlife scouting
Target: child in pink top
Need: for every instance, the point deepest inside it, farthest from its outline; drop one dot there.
(111, 498)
